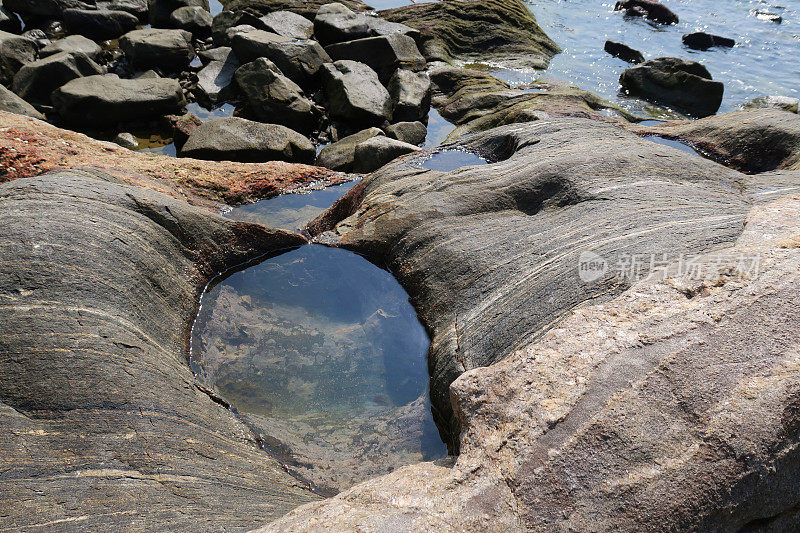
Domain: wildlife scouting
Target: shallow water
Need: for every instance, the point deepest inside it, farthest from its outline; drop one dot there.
(438, 129)
(215, 6)
(672, 143)
(447, 160)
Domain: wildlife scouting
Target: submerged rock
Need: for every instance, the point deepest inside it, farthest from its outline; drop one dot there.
(160, 11)
(685, 85)
(341, 154)
(238, 139)
(704, 41)
(375, 152)
(36, 81)
(288, 24)
(170, 50)
(624, 52)
(355, 95)
(649, 9)
(214, 81)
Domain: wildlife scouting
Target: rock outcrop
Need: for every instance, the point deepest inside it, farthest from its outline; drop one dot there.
(649, 9)
(307, 8)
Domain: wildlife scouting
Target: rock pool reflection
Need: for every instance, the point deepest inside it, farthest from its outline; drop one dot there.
(447, 160)
(322, 353)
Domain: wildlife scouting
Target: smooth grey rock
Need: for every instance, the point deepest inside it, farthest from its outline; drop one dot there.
(14, 104)
(126, 140)
(215, 79)
(785, 103)
(134, 7)
(250, 43)
(703, 41)
(354, 94)
(161, 10)
(15, 51)
(649, 9)
(101, 24)
(105, 100)
(220, 53)
(37, 80)
(684, 85)
(384, 54)
(225, 20)
(238, 139)
(411, 94)
(372, 154)
(408, 132)
(335, 23)
(170, 50)
(194, 19)
(72, 43)
(299, 59)
(288, 24)
(341, 154)
(51, 9)
(624, 52)
(274, 98)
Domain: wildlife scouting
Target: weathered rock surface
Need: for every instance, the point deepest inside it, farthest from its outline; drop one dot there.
(14, 104)
(649, 9)
(341, 154)
(307, 8)
(411, 94)
(46, 8)
(288, 24)
(355, 94)
(134, 7)
(703, 41)
(785, 103)
(336, 23)
(375, 152)
(170, 50)
(105, 425)
(99, 24)
(384, 54)
(36, 81)
(685, 85)
(298, 59)
(15, 51)
(470, 30)
(409, 132)
(182, 126)
(238, 139)
(97, 101)
(160, 11)
(194, 19)
(214, 81)
(72, 43)
(624, 52)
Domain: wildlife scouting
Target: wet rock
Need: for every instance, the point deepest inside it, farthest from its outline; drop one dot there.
(288, 24)
(384, 54)
(14, 104)
(649, 9)
(411, 94)
(272, 97)
(101, 24)
(354, 94)
(15, 51)
(685, 85)
(49, 9)
(624, 52)
(300, 60)
(37, 80)
(160, 11)
(126, 140)
(72, 43)
(170, 50)
(238, 139)
(341, 154)
(372, 154)
(105, 100)
(704, 41)
(9, 21)
(785, 103)
(408, 132)
(182, 127)
(478, 30)
(215, 79)
(306, 8)
(769, 16)
(194, 19)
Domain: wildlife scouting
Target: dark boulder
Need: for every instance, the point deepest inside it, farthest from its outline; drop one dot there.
(372, 154)
(14, 104)
(649, 9)
(160, 11)
(15, 51)
(106, 100)
(384, 54)
(100, 25)
(341, 154)
(170, 50)
(785, 103)
(36, 81)
(72, 43)
(298, 59)
(355, 96)
(238, 139)
(411, 95)
(288, 24)
(624, 52)
(48, 9)
(685, 85)
(703, 41)
(194, 19)
(408, 132)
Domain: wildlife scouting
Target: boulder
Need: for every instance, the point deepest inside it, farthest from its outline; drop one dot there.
(274, 98)
(137, 8)
(170, 50)
(36, 81)
(649, 9)
(288, 24)
(411, 94)
(220, 53)
(703, 41)
(215, 79)
(354, 94)
(126, 140)
(335, 23)
(160, 11)
(299, 59)
(306, 8)
(72, 43)
(9, 21)
(785, 103)
(238, 139)
(685, 85)
(225, 20)
(15, 51)
(14, 104)
(194, 19)
(384, 54)
(478, 30)
(408, 132)
(372, 154)
(624, 52)
(100, 24)
(341, 154)
(48, 9)
(106, 100)
(182, 126)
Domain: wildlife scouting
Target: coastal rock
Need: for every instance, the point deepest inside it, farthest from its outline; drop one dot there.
(384, 54)
(355, 95)
(194, 19)
(36, 81)
(341, 154)
(649, 9)
(685, 85)
(306, 8)
(250, 43)
(272, 97)
(624, 52)
(785, 103)
(238, 139)
(335, 23)
(408, 132)
(134, 7)
(51, 9)
(105, 100)
(72, 43)
(411, 94)
(160, 11)
(300, 60)
(126, 140)
(182, 127)
(9, 21)
(288, 24)
(214, 81)
(375, 152)
(170, 50)
(704, 41)
(477, 30)
(12, 103)
(15, 51)
(99, 24)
